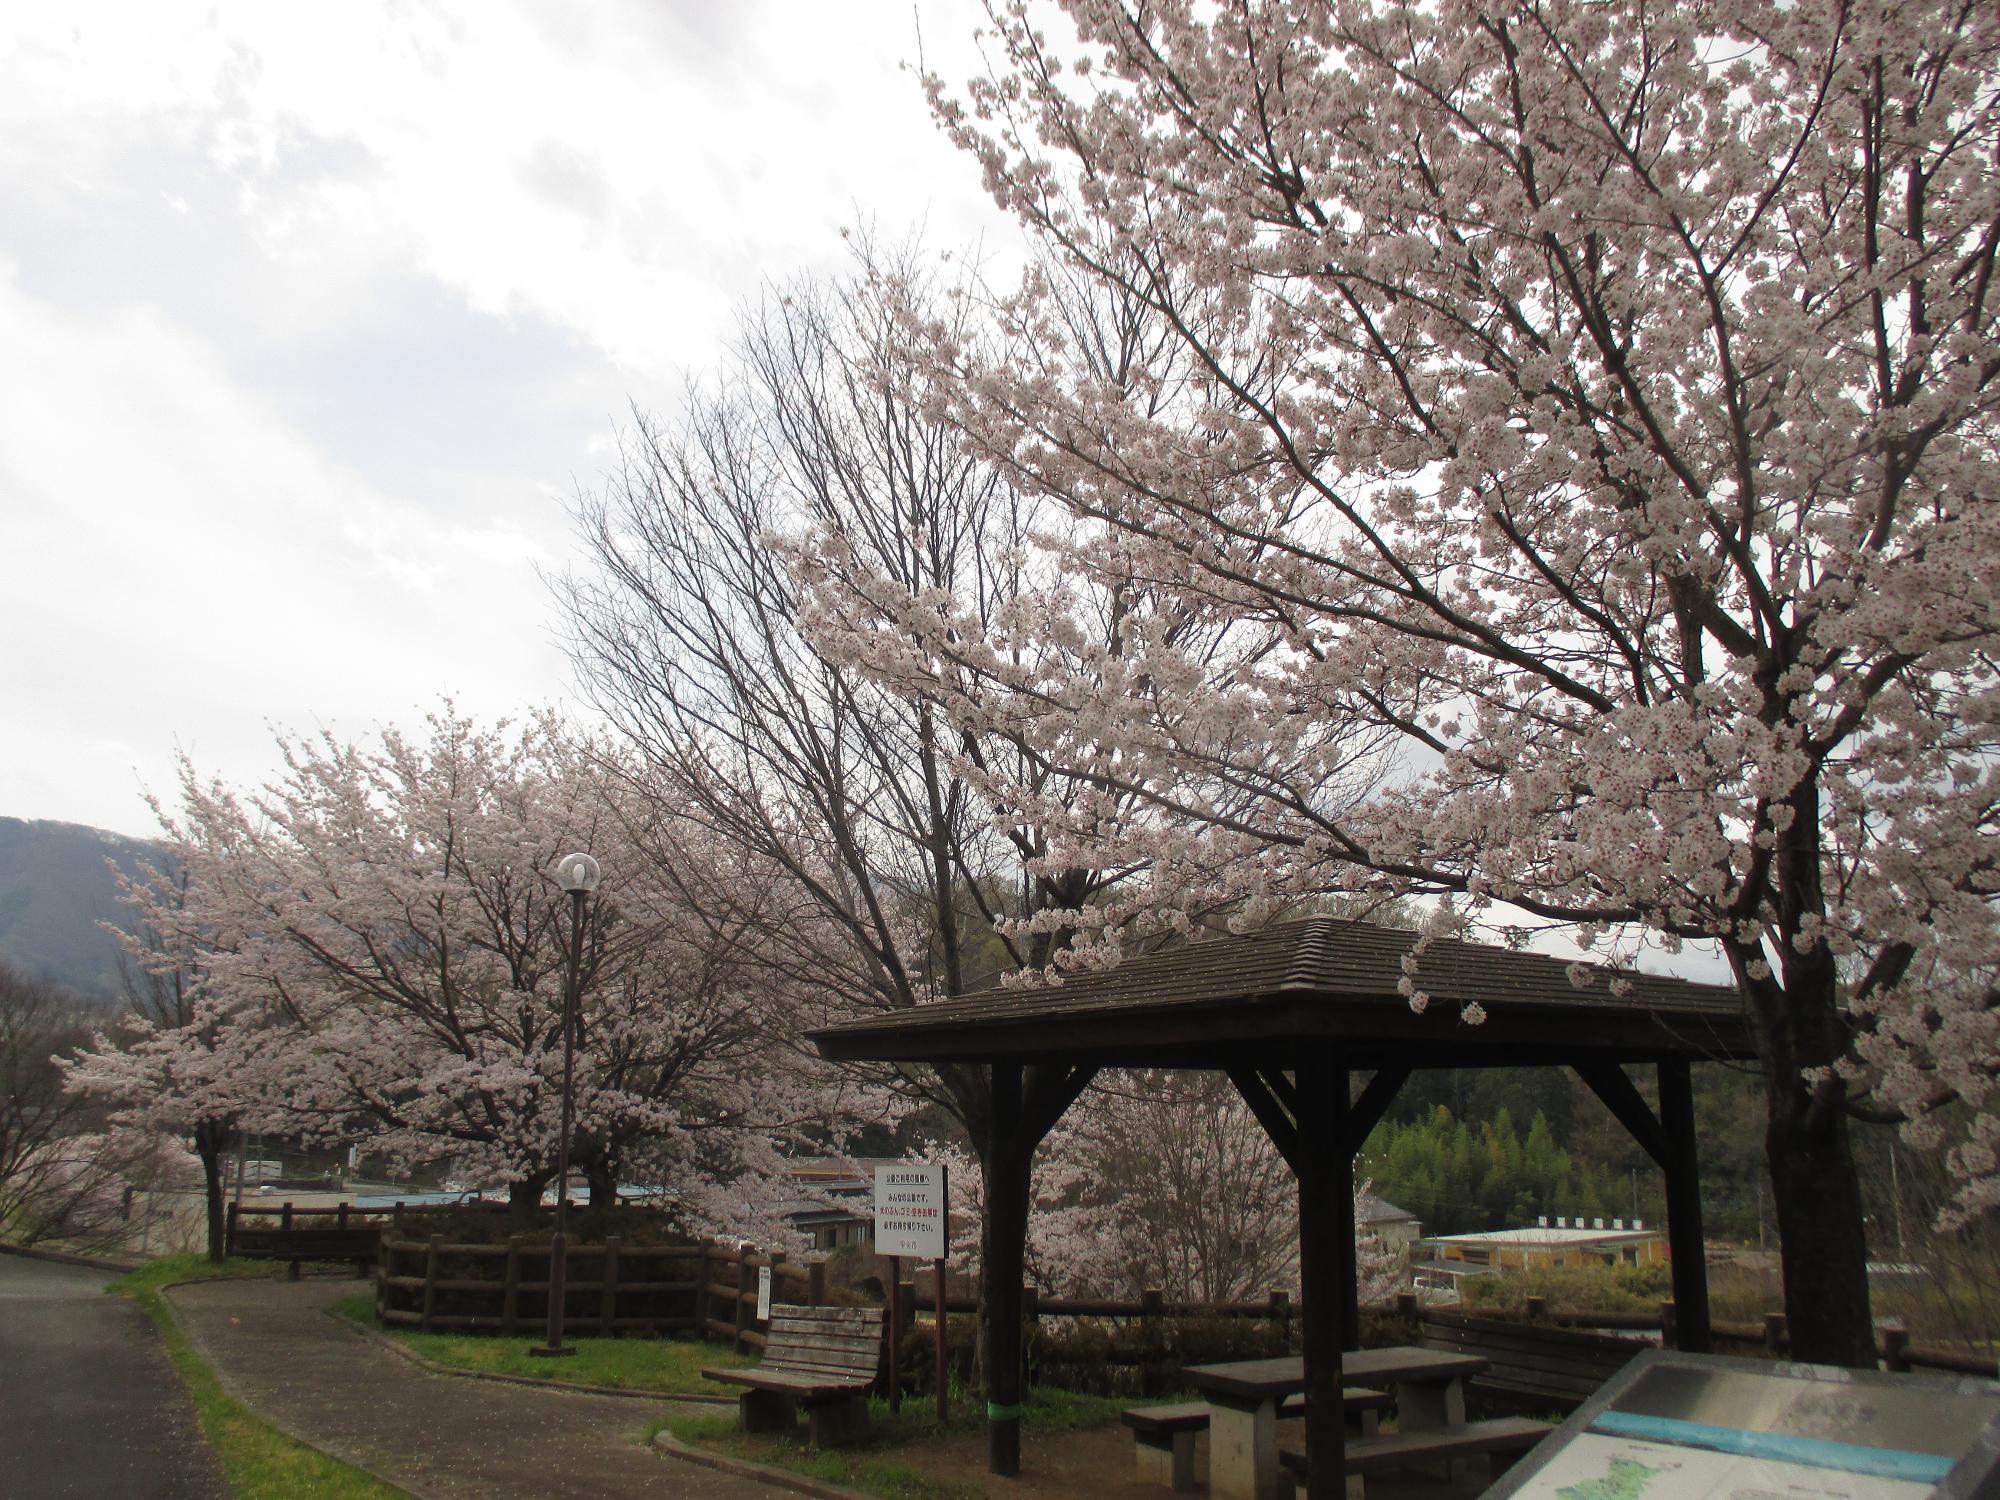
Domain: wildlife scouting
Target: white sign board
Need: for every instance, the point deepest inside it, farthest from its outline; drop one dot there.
(910, 1211)
(763, 1294)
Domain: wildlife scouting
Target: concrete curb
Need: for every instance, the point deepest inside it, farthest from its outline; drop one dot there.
(65, 1258)
(376, 1336)
(782, 1479)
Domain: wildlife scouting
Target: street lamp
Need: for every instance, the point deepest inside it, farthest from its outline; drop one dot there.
(578, 874)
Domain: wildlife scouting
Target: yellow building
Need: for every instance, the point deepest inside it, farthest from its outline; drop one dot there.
(1445, 1258)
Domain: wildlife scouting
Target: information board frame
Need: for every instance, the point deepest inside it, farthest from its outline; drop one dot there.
(912, 1210)
(1975, 1473)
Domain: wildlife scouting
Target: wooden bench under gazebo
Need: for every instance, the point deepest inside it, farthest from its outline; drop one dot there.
(1293, 1014)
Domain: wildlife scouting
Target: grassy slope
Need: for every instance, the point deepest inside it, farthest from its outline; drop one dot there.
(258, 1461)
(669, 1367)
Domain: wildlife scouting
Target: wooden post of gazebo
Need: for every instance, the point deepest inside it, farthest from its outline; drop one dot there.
(1326, 1261)
(1684, 1233)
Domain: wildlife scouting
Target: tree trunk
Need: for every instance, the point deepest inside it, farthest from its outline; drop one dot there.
(1814, 1187)
(524, 1199)
(1821, 1236)
(208, 1141)
(602, 1179)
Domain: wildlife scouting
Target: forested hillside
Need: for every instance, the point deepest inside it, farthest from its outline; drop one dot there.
(55, 888)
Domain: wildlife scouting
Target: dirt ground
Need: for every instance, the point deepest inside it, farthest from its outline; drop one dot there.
(1099, 1464)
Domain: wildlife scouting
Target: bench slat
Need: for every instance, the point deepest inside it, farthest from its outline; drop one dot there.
(815, 1352)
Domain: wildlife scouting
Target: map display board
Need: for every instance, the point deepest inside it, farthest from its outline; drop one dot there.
(910, 1203)
(1702, 1427)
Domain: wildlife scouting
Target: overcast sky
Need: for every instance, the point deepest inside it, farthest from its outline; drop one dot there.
(313, 318)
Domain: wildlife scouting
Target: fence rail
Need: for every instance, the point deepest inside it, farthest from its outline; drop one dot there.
(611, 1288)
(1772, 1333)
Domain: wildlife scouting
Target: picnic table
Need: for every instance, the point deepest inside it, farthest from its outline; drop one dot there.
(1244, 1395)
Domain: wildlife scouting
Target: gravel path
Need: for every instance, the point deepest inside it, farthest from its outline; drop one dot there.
(440, 1437)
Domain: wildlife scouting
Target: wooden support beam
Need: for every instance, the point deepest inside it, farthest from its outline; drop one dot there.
(1326, 1264)
(1005, 1236)
(1026, 1105)
(1048, 1092)
(1366, 1112)
(1684, 1232)
(1278, 1122)
(1611, 1084)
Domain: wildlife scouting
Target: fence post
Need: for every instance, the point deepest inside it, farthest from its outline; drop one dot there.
(816, 1284)
(1895, 1341)
(382, 1269)
(1538, 1309)
(229, 1234)
(510, 1294)
(1669, 1327)
(430, 1281)
(777, 1260)
(1281, 1312)
(608, 1313)
(1775, 1337)
(1406, 1307)
(701, 1274)
(340, 1217)
(746, 1312)
(285, 1218)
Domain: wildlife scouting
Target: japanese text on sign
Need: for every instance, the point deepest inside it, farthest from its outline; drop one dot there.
(910, 1211)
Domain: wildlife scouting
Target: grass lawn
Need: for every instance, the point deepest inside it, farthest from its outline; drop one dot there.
(258, 1461)
(890, 1464)
(669, 1367)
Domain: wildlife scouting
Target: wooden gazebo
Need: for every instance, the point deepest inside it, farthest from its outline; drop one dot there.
(1293, 1013)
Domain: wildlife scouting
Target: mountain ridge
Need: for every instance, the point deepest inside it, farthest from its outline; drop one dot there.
(57, 884)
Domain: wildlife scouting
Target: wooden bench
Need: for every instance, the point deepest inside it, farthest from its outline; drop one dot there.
(1163, 1436)
(1530, 1366)
(1502, 1438)
(822, 1358)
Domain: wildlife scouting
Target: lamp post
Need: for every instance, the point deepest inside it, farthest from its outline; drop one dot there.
(578, 874)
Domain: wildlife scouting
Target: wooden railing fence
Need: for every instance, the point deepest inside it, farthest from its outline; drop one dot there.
(613, 1288)
(1772, 1334)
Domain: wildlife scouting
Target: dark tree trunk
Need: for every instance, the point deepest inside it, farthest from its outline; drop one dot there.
(524, 1199)
(602, 1179)
(1822, 1239)
(1817, 1195)
(208, 1143)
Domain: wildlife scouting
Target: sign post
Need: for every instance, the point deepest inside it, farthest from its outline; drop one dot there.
(909, 1220)
(937, 1274)
(763, 1294)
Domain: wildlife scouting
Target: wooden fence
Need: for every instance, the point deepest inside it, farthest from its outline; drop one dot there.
(1893, 1346)
(610, 1289)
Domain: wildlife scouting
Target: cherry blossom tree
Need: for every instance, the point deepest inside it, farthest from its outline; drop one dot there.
(1597, 399)
(183, 1061)
(1161, 1180)
(384, 922)
(901, 879)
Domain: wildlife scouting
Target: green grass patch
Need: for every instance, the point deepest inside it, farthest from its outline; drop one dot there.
(258, 1461)
(890, 1462)
(668, 1367)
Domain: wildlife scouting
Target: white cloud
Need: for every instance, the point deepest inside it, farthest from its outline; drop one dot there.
(184, 561)
(309, 316)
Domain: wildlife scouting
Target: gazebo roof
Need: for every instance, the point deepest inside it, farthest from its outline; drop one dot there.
(1236, 998)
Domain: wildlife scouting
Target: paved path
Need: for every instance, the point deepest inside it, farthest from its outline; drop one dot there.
(89, 1405)
(440, 1437)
